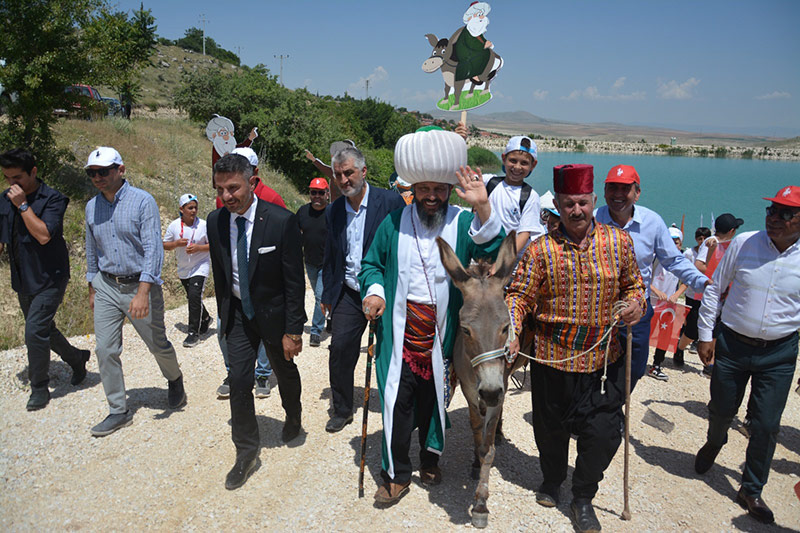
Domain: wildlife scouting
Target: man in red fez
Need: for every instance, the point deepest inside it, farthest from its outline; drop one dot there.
(570, 280)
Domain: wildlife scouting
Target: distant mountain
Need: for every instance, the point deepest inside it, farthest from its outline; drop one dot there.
(525, 123)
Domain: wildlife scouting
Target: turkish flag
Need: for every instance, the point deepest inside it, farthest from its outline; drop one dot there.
(666, 324)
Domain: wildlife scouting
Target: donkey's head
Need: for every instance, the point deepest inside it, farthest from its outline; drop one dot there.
(441, 50)
(484, 320)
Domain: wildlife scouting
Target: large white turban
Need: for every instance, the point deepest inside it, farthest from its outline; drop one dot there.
(476, 8)
(433, 155)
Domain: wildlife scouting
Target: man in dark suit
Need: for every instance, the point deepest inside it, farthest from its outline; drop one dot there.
(352, 221)
(259, 242)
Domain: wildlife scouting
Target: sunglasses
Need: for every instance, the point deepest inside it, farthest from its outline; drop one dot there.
(317, 193)
(785, 214)
(102, 172)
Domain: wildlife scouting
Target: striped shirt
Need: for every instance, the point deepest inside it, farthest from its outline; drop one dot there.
(124, 237)
(571, 290)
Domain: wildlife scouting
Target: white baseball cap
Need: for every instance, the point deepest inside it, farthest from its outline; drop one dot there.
(675, 232)
(104, 156)
(249, 153)
(186, 198)
(515, 143)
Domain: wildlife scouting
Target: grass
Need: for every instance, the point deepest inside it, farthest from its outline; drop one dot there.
(478, 98)
(164, 156)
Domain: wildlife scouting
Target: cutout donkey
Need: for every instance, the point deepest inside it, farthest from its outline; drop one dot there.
(442, 57)
(484, 328)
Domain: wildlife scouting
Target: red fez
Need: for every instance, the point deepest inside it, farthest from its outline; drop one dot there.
(573, 179)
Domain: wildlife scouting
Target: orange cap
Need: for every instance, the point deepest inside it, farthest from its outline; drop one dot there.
(319, 183)
(622, 174)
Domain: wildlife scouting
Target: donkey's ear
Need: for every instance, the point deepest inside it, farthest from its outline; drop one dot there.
(451, 263)
(506, 257)
(432, 39)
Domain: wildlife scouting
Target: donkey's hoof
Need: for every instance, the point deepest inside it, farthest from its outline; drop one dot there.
(475, 472)
(480, 520)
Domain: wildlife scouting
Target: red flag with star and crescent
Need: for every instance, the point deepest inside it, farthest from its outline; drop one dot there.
(665, 327)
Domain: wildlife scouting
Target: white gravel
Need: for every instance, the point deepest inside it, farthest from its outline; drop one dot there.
(166, 472)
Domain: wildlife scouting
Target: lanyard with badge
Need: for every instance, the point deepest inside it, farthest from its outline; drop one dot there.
(194, 228)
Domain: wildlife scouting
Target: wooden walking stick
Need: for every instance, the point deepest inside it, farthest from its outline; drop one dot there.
(626, 512)
(370, 355)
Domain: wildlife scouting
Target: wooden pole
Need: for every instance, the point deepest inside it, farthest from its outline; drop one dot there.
(626, 512)
(370, 355)
(464, 117)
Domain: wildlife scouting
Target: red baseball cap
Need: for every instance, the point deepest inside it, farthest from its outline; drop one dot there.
(622, 174)
(319, 183)
(787, 196)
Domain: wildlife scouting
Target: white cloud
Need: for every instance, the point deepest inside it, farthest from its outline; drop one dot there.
(775, 95)
(593, 93)
(430, 96)
(672, 90)
(377, 75)
(540, 94)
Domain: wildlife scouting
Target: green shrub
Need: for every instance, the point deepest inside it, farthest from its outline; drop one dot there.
(483, 158)
(721, 152)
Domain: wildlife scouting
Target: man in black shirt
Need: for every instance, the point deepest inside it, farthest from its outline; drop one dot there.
(314, 229)
(31, 222)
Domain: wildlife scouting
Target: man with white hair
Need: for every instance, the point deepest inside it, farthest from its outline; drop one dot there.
(403, 273)
(471, 49)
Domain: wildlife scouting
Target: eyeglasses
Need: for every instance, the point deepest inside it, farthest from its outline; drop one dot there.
(318, 193)
(102, 172)
(785, 214)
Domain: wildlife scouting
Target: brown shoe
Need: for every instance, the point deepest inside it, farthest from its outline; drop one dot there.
(391, 492)
(430, 476)
(756, 507)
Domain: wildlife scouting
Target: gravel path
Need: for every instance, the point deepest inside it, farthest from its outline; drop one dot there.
(166, 472)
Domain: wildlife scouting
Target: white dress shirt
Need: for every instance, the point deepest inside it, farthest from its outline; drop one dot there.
(249, 216)
(420, 274)
(764, 298)
(355, 239)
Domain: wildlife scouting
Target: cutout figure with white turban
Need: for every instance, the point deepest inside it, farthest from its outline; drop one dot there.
(219, 131)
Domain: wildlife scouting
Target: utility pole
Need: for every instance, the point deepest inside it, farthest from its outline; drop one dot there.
(203, 20)
(281, 56)
(367, 82)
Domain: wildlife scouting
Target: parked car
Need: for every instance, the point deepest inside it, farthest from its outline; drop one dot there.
(86, 103)
(114, 107)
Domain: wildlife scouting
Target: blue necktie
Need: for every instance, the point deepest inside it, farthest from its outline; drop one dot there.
(244, 275)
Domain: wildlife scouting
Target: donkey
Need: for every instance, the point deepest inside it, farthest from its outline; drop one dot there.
(442, 58)
(484, 331)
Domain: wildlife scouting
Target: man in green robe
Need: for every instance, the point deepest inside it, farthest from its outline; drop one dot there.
(403, 275)
(470, 47)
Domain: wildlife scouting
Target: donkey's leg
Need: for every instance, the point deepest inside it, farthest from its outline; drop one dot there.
(480, 510)
(459, 86)
(476, 422)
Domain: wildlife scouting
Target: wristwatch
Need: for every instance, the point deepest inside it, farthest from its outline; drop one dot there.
(295, 338)
(23, 207)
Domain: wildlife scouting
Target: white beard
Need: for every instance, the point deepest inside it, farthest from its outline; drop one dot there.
(222, 146)
(477, 26)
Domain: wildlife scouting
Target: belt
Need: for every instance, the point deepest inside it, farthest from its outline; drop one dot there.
(123, 280)
(758, 343)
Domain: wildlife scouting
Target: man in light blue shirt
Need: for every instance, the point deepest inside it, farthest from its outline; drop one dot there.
(124, 255)
(651, 241)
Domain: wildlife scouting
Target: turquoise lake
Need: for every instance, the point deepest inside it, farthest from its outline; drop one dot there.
(691, 186)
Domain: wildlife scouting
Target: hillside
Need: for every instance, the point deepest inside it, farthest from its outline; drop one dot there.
(164, 156)
(523, 122)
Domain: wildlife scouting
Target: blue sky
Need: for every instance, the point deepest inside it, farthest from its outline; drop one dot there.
(711, 66)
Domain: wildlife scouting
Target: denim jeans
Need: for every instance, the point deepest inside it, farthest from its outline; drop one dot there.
(640, 345)
(263, 368)
(315, 278)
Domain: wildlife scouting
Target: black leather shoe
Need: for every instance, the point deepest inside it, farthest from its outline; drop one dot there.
(337, 423)
(755, 507)
(291, 428)
(241, 470)
(176, 396)
(705, 458)
(547, 496)
(40, 397)
(79, 372)
(585, 518)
